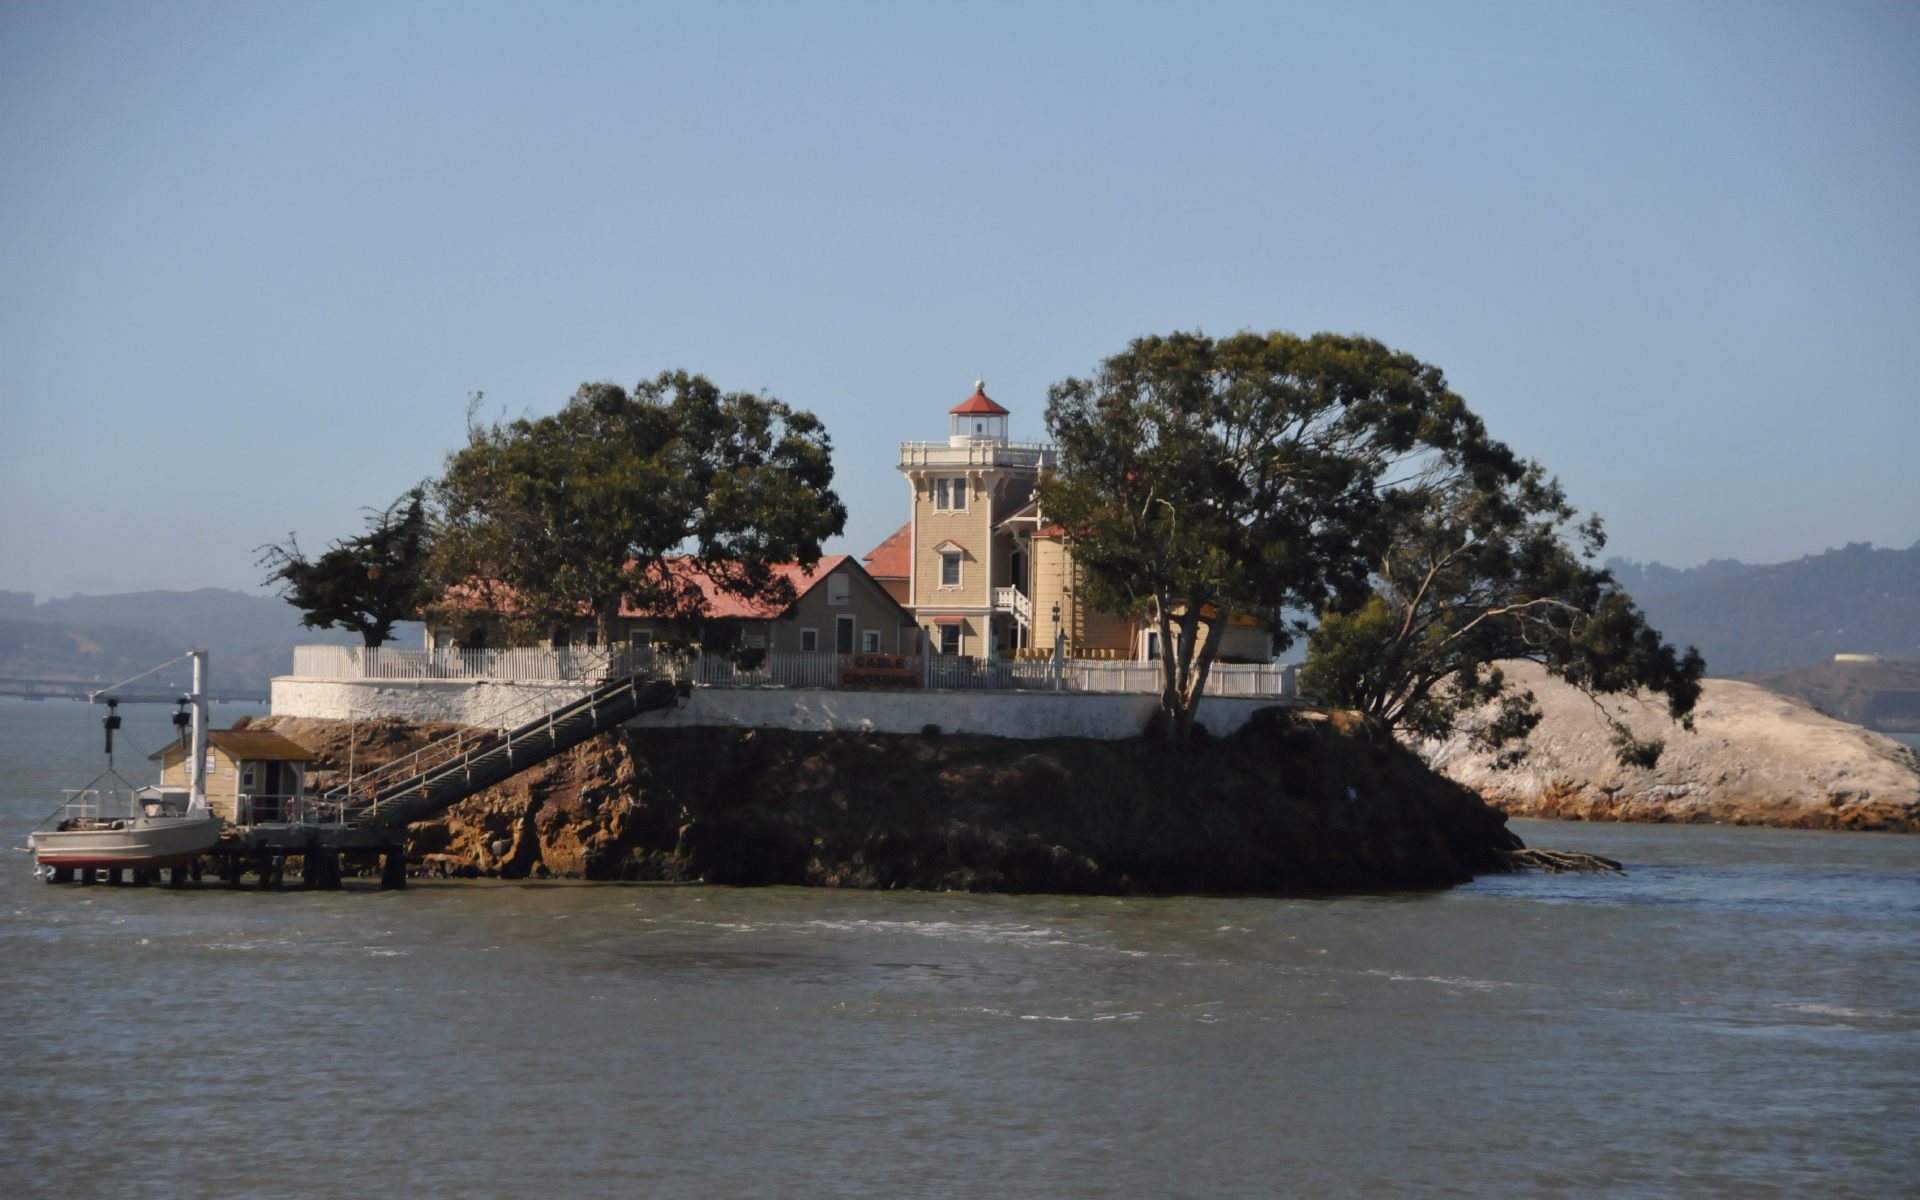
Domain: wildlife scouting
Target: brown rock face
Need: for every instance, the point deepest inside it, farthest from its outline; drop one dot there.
(1292, 803)
(1753, 758)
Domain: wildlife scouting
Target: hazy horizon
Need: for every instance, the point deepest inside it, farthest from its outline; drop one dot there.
(257, 258)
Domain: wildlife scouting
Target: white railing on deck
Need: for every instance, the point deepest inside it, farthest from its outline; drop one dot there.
(524, 663)
(774, 671)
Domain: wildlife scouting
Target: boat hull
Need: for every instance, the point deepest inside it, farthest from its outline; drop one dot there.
(143, 842)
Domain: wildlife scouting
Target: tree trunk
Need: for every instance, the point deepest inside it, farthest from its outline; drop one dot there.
(604, 621)
(1184, 666)
(1169, 678)
(1197, 679)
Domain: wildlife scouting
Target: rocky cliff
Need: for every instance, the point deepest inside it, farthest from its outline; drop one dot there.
(1295, 802)
(1754, 758)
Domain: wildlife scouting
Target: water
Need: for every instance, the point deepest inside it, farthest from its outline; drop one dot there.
(1740, 1016)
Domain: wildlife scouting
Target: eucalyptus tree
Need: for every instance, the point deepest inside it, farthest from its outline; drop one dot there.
(1202, 480)
(554, 518)
(1473, 571)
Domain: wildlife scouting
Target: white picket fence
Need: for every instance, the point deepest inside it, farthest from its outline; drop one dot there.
(778, 670)
(533, 665)
(1085, 675)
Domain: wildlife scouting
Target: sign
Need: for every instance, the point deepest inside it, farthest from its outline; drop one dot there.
(878, 671)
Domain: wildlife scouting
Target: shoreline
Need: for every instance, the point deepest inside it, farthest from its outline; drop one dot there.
(1296, 802)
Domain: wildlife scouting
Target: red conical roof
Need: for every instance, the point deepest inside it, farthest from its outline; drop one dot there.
(978, 403)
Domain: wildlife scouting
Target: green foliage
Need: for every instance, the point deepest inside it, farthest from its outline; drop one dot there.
(366, 584)
(1475, 565)
(1202, 479)
(565, 516)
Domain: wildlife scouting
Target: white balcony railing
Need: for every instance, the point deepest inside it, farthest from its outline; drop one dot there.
(1013, 600)
(976, 452)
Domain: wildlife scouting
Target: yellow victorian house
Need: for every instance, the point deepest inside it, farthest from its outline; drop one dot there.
(983, 571)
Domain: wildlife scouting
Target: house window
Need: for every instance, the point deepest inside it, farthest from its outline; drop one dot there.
(809, 641)
(836, 589)
(870, 642)
(949, 639)
(1153, 647)
(950, 569)
(950, 495)
(843, 635)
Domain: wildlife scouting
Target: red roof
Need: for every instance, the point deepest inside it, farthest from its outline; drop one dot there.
(978, 403)
(893, 558)
(718, 601)
(722, 603)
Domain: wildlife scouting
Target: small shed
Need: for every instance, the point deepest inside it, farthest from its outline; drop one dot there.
(254, 776)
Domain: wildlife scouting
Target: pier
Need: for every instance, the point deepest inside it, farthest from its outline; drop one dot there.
(361, 825)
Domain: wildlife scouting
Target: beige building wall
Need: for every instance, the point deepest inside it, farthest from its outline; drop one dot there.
(866, 602)
(223, 781)
(1050, 582)
(1112, 636)
(972, 530)
(1055, 578)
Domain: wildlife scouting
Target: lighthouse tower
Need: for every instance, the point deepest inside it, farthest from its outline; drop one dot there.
(966, 579)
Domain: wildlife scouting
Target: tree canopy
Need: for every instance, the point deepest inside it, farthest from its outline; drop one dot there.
(1474, 570)
(559, 517)
(1204, 479)
(366, 584)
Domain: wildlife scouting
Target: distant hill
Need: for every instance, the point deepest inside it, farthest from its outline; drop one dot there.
(1746, 618)
(100, 654)
(1879, 695)
(251, 638)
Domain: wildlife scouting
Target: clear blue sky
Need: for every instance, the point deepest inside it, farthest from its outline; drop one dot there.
(254, 257)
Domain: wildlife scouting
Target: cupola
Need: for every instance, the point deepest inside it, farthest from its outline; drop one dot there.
(978, 419)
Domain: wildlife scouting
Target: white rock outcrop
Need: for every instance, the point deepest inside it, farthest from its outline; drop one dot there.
(1754, 757)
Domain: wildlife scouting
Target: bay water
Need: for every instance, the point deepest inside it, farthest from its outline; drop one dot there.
(1738, 1016)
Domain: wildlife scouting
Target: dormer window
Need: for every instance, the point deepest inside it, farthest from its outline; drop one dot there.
(951, 554)
(950, 494)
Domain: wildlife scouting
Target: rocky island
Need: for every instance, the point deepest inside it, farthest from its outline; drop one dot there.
(1297, 801)
(1754, 757)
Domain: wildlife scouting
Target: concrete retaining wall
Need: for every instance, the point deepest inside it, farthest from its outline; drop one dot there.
(996, 714)
(486, 703)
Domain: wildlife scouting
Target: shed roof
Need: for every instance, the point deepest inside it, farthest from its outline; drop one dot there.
(250, 745)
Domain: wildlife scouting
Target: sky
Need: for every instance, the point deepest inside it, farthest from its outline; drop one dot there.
(255, 259)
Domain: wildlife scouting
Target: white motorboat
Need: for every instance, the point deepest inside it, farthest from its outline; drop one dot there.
(157, 829)
(127, 827)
